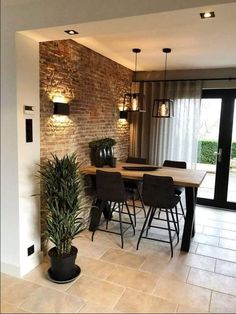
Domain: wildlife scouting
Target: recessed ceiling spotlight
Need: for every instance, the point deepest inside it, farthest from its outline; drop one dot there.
(207, 15)
(71, 32)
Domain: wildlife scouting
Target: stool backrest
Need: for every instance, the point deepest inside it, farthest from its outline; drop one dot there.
(158, 191)
(110, 186)
(136, 160)
(175, 164)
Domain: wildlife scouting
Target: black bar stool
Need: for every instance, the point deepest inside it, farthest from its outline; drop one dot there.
(113, 196)
(158, 192)
(178, 189)
(135, 187)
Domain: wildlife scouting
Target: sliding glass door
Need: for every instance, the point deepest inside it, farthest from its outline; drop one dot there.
(217, 148)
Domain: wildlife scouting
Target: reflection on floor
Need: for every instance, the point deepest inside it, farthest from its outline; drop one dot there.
(129, 281)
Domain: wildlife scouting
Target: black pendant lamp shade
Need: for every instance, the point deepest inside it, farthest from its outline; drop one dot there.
(133, 101)
(163, 107)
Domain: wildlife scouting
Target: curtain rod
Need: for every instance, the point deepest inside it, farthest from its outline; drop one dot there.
(197, 79)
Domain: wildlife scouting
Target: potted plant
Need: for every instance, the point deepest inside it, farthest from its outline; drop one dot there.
(67, 213)
(101, 151)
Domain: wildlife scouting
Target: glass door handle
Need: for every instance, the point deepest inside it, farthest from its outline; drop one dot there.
(219, 155)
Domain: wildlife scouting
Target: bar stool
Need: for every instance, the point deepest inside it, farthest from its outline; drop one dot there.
(135, 187)
(112, 195)
(158, 192)
(178, 189)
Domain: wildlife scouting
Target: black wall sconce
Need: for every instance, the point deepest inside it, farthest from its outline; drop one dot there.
(124, 114)
(61, 108)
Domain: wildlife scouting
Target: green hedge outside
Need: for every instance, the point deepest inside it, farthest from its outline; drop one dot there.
(206, 151)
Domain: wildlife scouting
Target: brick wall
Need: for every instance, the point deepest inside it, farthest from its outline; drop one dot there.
(94, 85)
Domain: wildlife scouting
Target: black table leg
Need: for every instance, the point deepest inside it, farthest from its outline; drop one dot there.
(189, 226)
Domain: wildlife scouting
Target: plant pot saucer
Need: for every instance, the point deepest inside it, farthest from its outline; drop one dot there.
(77, 271)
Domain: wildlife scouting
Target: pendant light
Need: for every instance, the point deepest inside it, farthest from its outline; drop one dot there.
(163, 107)
(133, 101)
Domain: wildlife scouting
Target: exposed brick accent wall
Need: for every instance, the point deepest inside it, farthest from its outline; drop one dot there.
(94, 85)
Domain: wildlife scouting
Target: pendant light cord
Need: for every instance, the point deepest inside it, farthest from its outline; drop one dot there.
(135, 67)
(165, 77)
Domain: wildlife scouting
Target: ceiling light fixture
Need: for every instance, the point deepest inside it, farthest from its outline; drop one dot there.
(71, 32)
(133, 101)
(207, 15)
(163, 107)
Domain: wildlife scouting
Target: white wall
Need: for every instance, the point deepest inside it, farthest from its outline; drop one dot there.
(27, 65)
(19, 85)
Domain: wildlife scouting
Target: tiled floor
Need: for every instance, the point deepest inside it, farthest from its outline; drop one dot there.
(148, 280)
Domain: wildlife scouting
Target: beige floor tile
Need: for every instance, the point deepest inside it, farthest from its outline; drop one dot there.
(7, 280)
(95, 308)
(94, 267)
(206, 239)
(199, 228)
(176, 271)
(195, 260)
(47, 300)
(133, 301)
(219, 215)
(211, 231)
(188, 309)
(9, 308)
(98, 291)
(17, 292)
(121, 257)
(132, 278)
(225, 268)
(193, 247)
(209, 280)
(227, 244)
(106, 239)
(171, 269)
(217, 252)
(88, 248)
(222, 303)
(217, 224)
(228, 234)
(39, 276)
(182, 293)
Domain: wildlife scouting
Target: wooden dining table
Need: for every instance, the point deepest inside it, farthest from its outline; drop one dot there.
(188, 178)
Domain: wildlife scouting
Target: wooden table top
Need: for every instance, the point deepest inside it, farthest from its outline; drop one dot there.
(181, 177)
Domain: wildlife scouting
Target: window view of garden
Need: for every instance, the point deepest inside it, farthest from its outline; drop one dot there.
(208, 148)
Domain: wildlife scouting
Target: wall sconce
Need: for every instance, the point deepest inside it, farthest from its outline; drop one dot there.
(60, 106)
(163, 108)
(124, 114)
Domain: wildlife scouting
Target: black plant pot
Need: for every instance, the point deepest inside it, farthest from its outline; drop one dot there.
(63, 268)
(100, 157)
(109, 155)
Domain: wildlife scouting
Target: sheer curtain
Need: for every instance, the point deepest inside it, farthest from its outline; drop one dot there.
(175, 138)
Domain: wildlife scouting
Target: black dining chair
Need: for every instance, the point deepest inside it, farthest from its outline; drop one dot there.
(178, 189)
(112, 194)
(158, 192)
(135, 187)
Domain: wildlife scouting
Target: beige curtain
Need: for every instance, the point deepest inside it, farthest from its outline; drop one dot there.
(175, 138)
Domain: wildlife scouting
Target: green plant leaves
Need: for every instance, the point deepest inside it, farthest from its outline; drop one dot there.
(66, 202)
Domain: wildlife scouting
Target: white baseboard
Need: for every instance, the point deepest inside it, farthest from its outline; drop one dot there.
(16, 271)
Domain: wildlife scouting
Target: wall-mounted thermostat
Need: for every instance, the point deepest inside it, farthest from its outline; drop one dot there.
(28, 109)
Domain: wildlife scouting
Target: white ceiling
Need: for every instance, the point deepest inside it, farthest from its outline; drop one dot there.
(195, 43)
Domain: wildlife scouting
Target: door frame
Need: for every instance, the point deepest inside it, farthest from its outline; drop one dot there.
(228, 97)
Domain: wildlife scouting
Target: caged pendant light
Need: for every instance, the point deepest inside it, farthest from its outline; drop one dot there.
(133, 101)
(163, 107)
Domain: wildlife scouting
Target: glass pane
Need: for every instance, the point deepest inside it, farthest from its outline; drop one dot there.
(231, 195)
(208, 144)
